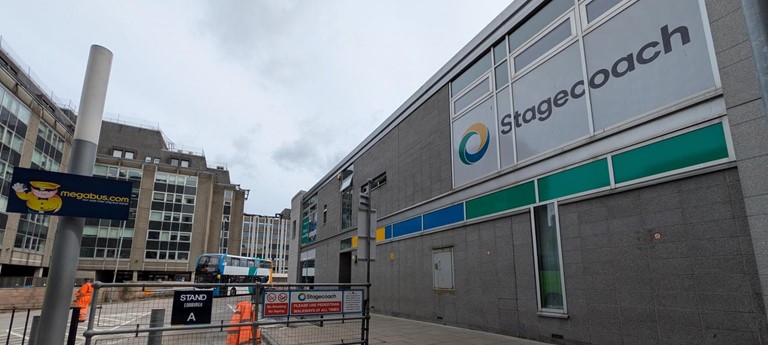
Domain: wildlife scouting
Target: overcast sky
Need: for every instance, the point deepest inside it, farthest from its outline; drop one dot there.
(277, 91)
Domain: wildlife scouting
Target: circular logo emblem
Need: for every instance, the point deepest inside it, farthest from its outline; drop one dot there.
(480, 130)
(302, 296)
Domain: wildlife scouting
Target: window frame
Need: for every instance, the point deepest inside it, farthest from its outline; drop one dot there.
(534, 239)
(517, 73)
(587, 26)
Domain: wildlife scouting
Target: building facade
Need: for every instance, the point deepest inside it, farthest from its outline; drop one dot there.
(180, 206)
(581, 172)
(267, 237)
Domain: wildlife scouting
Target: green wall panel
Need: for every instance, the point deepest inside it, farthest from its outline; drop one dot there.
(700, 146)
(575, 180)
(505, 199)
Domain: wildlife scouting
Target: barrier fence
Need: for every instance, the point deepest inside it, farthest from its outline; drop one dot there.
(22, 327)
(151, 313)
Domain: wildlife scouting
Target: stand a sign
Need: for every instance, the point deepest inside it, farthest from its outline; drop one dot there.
(312, 302)
(191, 307)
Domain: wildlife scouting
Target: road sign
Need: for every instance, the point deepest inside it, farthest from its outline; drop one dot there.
(311, 302)
(191, 307)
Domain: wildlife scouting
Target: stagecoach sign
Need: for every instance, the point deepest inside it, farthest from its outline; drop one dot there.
(312, 302)
(191, 307)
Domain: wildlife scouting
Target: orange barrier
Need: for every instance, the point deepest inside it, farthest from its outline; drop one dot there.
(242, 335)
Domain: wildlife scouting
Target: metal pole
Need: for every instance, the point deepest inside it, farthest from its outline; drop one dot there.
(66, 245)
(367, 321)
(156, 320)
(33, 330)
(117, 261)
(26, 323)
(74, 320)
(10, 326)
(755, 13)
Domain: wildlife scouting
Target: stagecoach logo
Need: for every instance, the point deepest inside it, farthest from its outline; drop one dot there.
(314, 296)
(480, 130)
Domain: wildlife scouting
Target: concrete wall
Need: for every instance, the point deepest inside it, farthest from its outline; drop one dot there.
(696, 284)
(747, 120)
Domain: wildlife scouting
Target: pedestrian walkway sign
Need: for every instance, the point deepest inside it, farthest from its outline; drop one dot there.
(311, 302)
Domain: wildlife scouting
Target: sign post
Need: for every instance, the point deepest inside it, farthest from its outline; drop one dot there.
(66, 245)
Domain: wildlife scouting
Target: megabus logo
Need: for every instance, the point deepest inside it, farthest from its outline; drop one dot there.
(480, 130)
(46, 192)
(96, 197)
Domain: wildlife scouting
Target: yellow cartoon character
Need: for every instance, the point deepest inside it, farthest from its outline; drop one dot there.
(42, 198)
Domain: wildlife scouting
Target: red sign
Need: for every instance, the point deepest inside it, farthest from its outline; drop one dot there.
(274, 308)
(316, 307)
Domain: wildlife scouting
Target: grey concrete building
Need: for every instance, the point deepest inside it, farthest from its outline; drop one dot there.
(581, 172)
(180, 208)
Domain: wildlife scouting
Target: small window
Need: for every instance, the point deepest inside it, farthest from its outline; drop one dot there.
(129, 154)
(148, 159)
(185, 163)
(156, 161)
(597, 8)
(471, 74)
(325, 213)
(544, 44)
(175, 162)
(117, 153)
(548, 259)
(378, 181)
(442, 266)
(472, 95)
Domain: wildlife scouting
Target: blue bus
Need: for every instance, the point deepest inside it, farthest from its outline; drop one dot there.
(225, 268)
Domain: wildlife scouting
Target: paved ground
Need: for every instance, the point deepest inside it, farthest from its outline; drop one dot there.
(396, 331)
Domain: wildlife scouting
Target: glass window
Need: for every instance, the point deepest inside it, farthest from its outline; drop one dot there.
(156, 161)
(129, 154)
(174, 162)
(548, 258)
(117, 153)
(596, 8)
(502, 75)
(470, 97)
(500, 51)
(346, 208)
(538, 22)
(185, 163)
(148, 159)
(559, 34)
(471, 74)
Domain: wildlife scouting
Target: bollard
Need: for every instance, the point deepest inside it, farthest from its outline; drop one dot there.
(74, 320)
(156, 320)
(33, 330)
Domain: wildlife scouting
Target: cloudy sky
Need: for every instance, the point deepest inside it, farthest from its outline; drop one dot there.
(278, 91)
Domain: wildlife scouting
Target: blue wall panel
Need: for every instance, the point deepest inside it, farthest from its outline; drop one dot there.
(406, 227)
(445, 216)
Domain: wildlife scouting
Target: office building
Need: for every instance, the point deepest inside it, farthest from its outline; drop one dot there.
(581, 172)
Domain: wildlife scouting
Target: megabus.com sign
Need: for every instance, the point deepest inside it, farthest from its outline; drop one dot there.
(45, 192)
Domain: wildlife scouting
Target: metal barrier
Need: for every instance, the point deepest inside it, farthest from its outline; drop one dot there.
(22, 327)
(143, 316)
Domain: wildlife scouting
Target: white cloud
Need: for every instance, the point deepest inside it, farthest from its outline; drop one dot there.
(278, 91)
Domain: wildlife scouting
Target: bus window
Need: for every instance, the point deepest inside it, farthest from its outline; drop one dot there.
(265, 264)
(235, 262)
(251, 263)
(227, 261)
